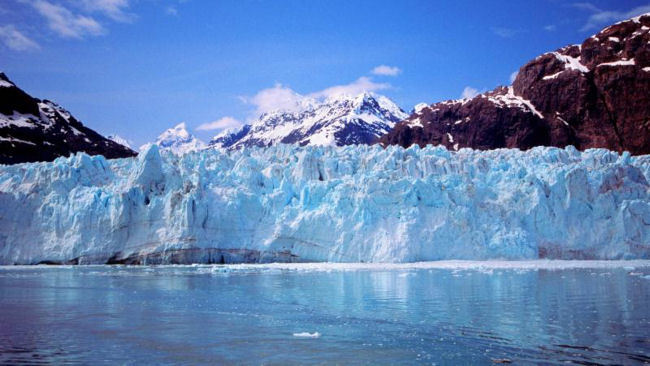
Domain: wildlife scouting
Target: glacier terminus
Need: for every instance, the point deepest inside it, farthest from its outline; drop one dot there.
(340, 204)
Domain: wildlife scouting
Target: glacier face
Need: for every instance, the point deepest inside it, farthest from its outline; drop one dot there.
(341, 204)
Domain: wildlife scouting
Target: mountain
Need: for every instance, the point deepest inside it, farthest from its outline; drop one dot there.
(589, 95)
(178, 140)
(339, 120)
(229, 136)
(40, 130)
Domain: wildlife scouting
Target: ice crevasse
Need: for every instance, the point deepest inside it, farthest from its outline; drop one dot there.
(339, 204)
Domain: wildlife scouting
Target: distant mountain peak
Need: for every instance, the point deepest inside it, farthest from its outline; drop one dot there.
(174, 134)
(179, 140)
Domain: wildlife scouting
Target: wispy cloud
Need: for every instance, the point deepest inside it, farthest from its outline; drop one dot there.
(385, 70)
(513, 76)
(170, 10)
(65, 23)
(469, 92)
(550, 28)
(504, 32)
(13, 39)
(113, 9)
(79, 19)
(362, 84)
(586, 6)
(600, 17)
(222, 123)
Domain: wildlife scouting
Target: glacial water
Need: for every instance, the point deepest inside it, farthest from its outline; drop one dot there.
(425, 313)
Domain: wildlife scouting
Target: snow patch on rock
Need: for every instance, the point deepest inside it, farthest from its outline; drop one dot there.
(509, 99)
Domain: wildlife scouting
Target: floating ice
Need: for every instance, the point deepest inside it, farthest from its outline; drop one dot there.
(307, 335)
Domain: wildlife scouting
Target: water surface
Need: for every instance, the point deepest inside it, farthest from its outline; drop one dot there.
(444, 313)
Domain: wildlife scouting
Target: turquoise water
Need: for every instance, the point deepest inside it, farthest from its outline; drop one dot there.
(428, 314)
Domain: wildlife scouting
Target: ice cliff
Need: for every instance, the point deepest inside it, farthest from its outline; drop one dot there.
(347, 204)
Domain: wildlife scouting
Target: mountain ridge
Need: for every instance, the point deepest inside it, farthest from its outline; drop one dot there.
(32, 130)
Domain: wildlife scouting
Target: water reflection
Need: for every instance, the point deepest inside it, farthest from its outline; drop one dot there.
(209, 315)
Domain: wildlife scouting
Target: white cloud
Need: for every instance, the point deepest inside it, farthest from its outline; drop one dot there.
(66, 23)
(283, 98)
(276, 98)
(386, 70)
(222, 123)
(15, 40)
(170, 10)
(601, 17)
(550, 28)
(362, 84)
(513, 76)
(114, 9)
(469, 92)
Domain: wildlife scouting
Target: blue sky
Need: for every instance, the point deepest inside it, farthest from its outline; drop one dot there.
(137, 67)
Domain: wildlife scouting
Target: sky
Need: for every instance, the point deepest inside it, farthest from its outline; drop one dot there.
(138, 67)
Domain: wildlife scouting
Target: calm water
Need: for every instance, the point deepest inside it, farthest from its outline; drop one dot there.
(365, 315)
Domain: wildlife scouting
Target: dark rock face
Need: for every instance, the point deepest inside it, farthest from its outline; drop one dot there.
(40, 130)
(589, 95)
(490, 121)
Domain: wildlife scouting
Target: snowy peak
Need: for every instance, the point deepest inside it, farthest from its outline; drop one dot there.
(178, 140)
(338, 120)
(174, 134)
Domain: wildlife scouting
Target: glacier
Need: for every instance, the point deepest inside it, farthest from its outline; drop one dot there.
(339, 204)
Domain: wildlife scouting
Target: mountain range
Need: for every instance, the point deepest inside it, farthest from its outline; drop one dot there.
(589, 95)
(336, 121)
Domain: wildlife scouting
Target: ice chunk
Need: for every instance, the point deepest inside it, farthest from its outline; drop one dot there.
(307, 335)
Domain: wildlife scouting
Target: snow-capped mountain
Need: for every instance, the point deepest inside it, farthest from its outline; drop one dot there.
(178, 140)
(32, 129)
(229, 136)
(339, 120)
(120, 140)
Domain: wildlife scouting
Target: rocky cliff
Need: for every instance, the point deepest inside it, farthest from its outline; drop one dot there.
(589, 95)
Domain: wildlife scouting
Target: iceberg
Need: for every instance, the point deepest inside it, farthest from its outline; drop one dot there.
(326, 204)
